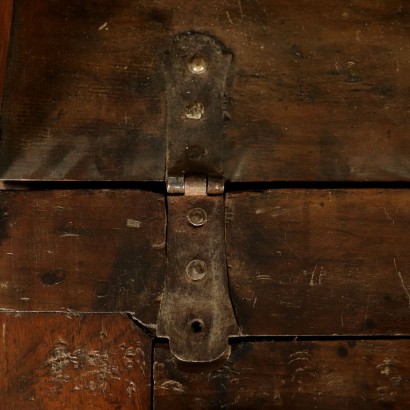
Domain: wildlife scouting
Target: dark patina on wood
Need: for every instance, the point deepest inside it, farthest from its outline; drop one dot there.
(320, 89)
(90, 251)
(318, 92)
(329, 375)
(320, 262)
(6, 8)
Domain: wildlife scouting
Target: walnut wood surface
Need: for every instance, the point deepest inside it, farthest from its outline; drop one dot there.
(66, 362)
(95, 251)
(320, 262)
(6, 7)
(330, 375)
(319, 88)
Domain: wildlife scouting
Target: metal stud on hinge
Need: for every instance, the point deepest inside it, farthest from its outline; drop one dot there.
(196, 313)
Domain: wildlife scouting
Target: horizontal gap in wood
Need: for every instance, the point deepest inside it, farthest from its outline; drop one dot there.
(151, 186)
(262, 186)
(333, 338)
(159, 186)
(282, 339)
(232, 340)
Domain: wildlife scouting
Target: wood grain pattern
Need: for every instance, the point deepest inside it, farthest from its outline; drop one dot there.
(6, 10)
(319, 88)
(320, 262)
(65, 362)
(291, 375)
(95, 251)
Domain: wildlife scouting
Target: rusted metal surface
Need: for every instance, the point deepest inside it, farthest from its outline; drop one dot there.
(196, 312)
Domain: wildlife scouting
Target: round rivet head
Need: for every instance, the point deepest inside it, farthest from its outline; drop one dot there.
(196, 269)
(197, 217)
(195, 153)
(197, 65)
(195, 111)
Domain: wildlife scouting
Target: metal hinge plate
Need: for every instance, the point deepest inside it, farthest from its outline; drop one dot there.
(196, 313)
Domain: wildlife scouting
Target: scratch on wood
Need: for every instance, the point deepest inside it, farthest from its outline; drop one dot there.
(367, 307)
(90, 370)
(240, 8)
(133, 223)
(388, 216)
(131, 389)
(263, 277)
(288, 304)
(173, 385)
(303, 367)
(298, 358)
(385, 367)
(103, 26)
(402, 281)
(158, 245)
(301, 353)
(229, 17)
(312, 283)
(4, 285)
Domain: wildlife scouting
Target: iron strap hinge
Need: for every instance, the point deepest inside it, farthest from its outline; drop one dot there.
(196, 312)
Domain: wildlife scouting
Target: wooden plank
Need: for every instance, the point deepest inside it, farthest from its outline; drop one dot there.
(291, 375)
(56, 361)
(95, 251)
(320, 262)
(319, 89)
(6, 10)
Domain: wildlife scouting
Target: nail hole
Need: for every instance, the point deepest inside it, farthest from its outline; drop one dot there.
(195, 153)
(197, 326)
(53, 277)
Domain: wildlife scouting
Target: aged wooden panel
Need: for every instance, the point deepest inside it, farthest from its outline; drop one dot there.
(82, 250)
(319, 89)
(320, 262)
(291, 375)
(6, 7)
(65, 362)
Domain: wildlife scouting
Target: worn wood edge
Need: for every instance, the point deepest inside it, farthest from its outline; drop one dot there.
(6, 11)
